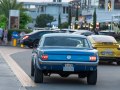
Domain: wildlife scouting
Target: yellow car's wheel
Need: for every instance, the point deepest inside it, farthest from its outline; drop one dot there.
(118, 63)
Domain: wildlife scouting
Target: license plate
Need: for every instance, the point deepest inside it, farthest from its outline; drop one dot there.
(68, 67)
(107, 53)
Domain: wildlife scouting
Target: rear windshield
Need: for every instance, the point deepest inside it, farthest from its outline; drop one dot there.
(63, 41)
(104, 39)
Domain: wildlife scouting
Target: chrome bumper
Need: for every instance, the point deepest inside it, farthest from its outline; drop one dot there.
(68, 62)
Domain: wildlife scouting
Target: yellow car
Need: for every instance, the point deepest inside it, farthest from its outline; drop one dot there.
(108, 48)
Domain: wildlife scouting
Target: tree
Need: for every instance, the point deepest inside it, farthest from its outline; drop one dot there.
(43, 19)
(94, 20)
(6, 5)
(76, 18)
(3, 21)
(59, 21)
(64, 25)
(24, 20)
(69, 16)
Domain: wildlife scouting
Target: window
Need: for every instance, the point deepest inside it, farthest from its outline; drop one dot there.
(54, 0)
(64, 10)
(42, 9)
(63, 41)
(117, 4)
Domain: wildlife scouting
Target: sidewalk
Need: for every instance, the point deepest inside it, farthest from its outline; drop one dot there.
(8, 81)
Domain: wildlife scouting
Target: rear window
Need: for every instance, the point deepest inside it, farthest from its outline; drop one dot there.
(60, 41)
(104, 39)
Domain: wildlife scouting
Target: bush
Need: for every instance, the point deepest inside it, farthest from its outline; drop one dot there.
(17, 30)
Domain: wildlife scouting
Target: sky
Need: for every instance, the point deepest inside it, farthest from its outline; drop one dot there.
(41, 0)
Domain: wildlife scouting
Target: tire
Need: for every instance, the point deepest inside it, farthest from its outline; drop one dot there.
(35, 43)
(30, 46)
(32, 68)
(118, 63)
(92, 77)
(38, 75)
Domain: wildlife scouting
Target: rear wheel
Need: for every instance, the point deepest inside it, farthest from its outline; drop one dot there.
(118, 63)
(92, 77)
(32, 68)
(30, 46)
(38, 75)
(35, 43)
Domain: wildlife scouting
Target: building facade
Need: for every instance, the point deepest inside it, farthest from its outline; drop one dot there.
(54, 9)
(105, 9)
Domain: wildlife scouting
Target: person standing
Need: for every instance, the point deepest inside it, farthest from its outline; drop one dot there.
(1, 35)
(5, 35)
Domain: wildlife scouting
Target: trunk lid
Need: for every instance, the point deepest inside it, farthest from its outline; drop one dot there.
(68, 54)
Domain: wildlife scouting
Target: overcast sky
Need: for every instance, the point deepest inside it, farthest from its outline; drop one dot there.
(41, 0)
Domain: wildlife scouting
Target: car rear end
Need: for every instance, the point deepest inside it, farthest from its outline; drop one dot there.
(27, 40)
(67, 55)
(108, 48)
(67, 60)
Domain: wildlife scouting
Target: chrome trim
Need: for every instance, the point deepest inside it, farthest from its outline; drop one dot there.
(68, 62)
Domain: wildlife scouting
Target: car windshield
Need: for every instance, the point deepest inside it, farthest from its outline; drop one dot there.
(63, 41)
(104, 39)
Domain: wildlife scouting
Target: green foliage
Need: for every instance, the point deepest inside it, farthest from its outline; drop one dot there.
(3, 21)
(64, 25)
(43, 19)
(6, 5)
(24, 20)
(59, 21)
(18, 30)
(76, 19)
(94, 19)
(69, 16)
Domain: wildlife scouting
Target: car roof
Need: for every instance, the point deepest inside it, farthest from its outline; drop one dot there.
(40, 31)
(103, 38)
(63, 34)
(100, 36)
(106, 31)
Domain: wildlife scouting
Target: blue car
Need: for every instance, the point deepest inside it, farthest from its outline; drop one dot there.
(64, 54)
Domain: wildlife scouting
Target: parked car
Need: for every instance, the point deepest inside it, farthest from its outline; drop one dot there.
(108, 32)
(64, 54)
(84, 32)
(107, 46)
(33, 38)
(67, 30)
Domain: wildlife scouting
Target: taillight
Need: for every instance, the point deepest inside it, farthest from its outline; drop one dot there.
(93, 58)
(25, 37)
(44, 57)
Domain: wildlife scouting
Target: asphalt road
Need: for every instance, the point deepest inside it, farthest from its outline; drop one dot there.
(108, 77)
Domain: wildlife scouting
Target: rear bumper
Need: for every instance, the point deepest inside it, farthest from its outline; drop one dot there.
(68, 62)
(59, 65)
(109, 58)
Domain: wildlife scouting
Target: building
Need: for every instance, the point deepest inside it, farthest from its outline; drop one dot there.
(53, 8)
(105, 10)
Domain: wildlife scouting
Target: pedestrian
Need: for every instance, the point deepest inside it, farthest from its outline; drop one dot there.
(5, 36)
(1, 35)
(21, 35)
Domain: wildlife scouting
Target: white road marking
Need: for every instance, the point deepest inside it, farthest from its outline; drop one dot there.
(25, 80)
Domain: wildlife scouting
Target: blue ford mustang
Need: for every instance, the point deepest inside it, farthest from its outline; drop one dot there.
(64, 54)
